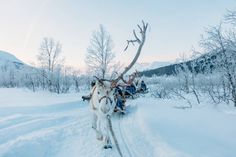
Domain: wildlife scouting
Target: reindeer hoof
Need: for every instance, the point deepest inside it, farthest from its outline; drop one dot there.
(107, 147)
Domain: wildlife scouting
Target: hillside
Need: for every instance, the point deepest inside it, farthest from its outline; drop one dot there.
(9, 60)
(200, 65)
(14, 72)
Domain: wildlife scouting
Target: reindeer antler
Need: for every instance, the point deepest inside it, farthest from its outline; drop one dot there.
(101, 80)
(140, 40)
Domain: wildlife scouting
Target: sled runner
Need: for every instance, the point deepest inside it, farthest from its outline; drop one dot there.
(118, 110)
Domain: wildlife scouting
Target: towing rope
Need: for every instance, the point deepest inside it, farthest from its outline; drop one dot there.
(113, 135)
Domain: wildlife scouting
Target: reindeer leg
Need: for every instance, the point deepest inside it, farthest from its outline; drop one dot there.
(107, 141)
(95, 124)
(94, 121)
(98, 131)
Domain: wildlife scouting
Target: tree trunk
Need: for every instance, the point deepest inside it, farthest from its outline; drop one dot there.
(234, 96)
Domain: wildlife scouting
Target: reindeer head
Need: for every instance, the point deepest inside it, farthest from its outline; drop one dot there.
(104, 92)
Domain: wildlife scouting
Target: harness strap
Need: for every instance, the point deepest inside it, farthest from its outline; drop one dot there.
(94, 108)
(106, 99)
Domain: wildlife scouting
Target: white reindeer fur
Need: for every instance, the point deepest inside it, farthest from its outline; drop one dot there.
(102, 110)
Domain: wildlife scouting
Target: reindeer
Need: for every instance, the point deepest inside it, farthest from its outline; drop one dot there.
(102, 99)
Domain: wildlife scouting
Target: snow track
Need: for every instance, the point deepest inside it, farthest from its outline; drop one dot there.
(124, 126)
(60, 130)
(132, 139)
(123, 137)
(39, 131)
(150, 128)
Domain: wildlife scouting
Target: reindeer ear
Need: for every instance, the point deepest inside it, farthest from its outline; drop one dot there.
(99, 81)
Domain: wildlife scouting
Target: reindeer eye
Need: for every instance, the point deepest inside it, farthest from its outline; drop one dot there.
(98, 92)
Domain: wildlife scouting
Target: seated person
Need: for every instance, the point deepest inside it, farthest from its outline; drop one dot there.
(143, 86)
(119, 99)
(131, 89)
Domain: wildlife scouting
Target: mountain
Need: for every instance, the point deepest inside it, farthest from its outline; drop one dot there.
(7, 59)
(9, 62)
(149, 66)
(165, 70)
(201, 64)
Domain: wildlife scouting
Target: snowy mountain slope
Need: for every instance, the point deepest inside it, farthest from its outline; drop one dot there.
(12, 67)
(152, 128)
(7, 57)
(10, 60)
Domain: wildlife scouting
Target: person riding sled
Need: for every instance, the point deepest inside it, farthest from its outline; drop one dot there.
(143, 86)
(130, 88)
(120, 100)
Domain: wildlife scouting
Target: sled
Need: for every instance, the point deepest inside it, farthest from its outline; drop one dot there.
(141, 91)
(120, 111)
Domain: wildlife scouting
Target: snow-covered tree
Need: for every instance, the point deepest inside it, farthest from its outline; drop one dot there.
(223, 46)
(99, 53)
(50, 61)
(49, 54)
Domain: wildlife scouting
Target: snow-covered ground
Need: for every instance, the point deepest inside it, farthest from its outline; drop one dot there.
(14, 97)
(43, 124)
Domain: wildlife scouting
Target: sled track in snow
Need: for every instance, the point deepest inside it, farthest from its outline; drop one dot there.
(124, 139)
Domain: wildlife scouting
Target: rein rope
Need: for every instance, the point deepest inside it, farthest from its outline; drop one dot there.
(113, 135)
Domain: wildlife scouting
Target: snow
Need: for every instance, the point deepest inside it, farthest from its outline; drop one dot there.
(10, 64)
(25, 97)
(7, 57)
(197, 132)
(51, 125)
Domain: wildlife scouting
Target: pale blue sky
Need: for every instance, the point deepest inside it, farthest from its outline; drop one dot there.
(176, 25)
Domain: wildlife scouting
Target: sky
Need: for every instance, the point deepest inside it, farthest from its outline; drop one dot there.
(175, 26)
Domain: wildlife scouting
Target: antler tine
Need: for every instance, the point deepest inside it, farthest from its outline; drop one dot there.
(126, 46)
(130, 41)
(140, 29)
(145, 27)
(96, 77)
(135, 35)
(143, 23)
(99, 80)
(106, 80)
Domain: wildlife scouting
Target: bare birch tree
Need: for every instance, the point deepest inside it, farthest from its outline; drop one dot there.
(222, 44)
(99, 53)
(49, 54)
(50, 60)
